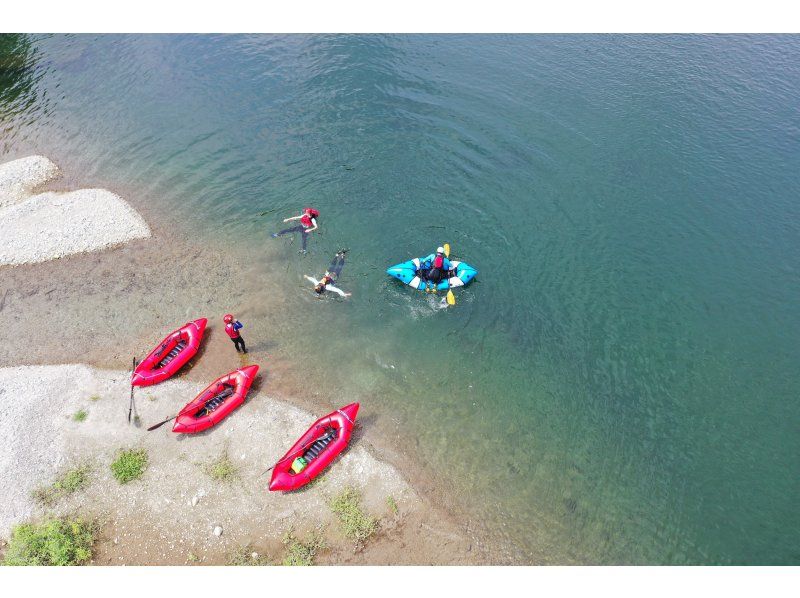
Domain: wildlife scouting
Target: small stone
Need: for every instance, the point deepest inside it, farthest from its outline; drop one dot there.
(218, 531)
(195, 500)
(254, 556)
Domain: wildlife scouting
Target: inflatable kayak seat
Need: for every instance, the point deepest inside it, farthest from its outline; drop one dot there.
(172, 354)
(212, 404)
(320, 445)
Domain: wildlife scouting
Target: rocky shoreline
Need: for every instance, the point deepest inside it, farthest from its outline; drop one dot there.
(38, 227)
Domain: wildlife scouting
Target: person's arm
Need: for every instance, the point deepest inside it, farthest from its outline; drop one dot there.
(330, 287)
(314, 281)
(293, 218)
(314, 222)
(447, 265)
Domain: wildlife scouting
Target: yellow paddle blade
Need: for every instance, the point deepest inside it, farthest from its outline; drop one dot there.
(447, 250)
(451, 298)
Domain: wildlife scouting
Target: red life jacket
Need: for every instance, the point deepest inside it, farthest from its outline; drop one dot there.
(230, 331)
(438, 261)
(308, 214)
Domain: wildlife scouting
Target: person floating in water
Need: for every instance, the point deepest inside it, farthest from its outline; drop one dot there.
(308, 223)
(232, 328)
(440, 268)
(330, 276)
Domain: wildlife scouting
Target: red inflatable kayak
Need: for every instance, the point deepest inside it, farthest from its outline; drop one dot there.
(170, 355)
(216, 402)
(325, 439)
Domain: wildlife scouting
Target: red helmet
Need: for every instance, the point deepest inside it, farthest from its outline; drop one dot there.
(227, 318)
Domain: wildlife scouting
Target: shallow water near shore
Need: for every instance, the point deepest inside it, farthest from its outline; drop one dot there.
(619, 384)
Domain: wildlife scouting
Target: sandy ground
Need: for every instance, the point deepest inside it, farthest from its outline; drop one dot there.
(40, 227)
(172, 511)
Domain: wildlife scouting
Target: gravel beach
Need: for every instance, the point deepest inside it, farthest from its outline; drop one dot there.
(45, 226)
(176, 499)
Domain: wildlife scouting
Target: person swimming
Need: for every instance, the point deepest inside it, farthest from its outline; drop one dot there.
(331, 274)
(308, 223)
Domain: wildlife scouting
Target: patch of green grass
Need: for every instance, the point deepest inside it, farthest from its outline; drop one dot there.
(243, 556)
(62, 541)
(392, 504)
(94, 398)
(354, 523)
(129, 465)
(81, 415)
(69, 482)
(301, 553)
(192, 558)
(223, 469)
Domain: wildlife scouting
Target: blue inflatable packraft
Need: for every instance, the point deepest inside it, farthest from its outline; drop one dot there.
(408, 272)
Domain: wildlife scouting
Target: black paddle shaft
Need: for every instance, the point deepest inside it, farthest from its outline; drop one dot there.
(130, 405)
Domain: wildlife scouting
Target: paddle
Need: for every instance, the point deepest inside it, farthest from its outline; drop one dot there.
(451, 298)
(130, 405)
(158, 425)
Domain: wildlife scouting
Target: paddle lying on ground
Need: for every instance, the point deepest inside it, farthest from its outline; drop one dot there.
(130, 405)
(159, 424)
(451, 298)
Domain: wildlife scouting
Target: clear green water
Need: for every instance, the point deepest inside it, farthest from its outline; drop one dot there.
(620, 384)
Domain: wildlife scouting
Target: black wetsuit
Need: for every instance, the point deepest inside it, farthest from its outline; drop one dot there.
(335, 269)
(295, 229)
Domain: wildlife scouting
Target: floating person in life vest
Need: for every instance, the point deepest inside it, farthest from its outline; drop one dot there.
(330, 276)
(308, 223)
(232, 328)
(439, 270)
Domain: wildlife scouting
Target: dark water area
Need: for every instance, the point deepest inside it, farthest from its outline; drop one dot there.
(620, 383)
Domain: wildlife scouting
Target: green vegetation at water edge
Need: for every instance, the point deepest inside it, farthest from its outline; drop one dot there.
(222, 470)
(302, 553)
(63, 541)
(66, 484)
(129, 465)
(81, 415)
(354, 523)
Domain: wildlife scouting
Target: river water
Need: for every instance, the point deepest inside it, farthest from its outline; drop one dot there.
(620, 383)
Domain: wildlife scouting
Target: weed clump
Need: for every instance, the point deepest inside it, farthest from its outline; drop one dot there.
(244, 556)
(222, 470)
(68, 483)
(59, 542)
(392, 504)
(301, 553)
(94, 398)
(354, 523)
(129, 465)
(79, 416)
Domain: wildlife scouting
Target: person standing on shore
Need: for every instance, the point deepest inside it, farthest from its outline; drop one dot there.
(232, 327)
(308, 223)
